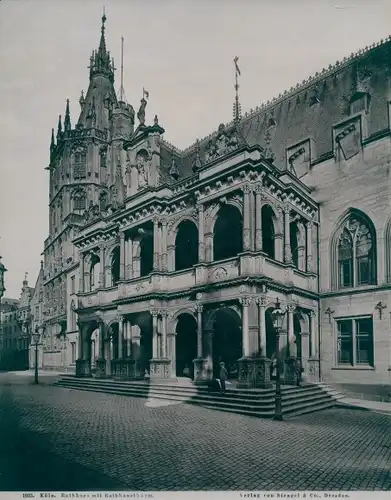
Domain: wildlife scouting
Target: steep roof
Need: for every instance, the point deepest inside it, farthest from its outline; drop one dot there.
(312, 107)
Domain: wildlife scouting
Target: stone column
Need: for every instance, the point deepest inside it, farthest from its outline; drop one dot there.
(163, 314)
(258, 217)
(201, 374)
(136, 260)
(199, 308)
(81, 273)
(309, 246)
(101, 266)
(304, 355)
(171, 257)
(291, 331)
(129, 259)
(120, 336)
(245, 302)
(290, 362)
(83, 365)
(246, 218)
(164, 246)
(156, 244)
(201, 231)
(209, 247)
(262, 325)
(287, 244)
(160, 365)
(122, 255)
(314, 337)
(101, 362)
(155, 347)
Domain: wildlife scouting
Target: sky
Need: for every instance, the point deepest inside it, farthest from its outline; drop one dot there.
(181, 51)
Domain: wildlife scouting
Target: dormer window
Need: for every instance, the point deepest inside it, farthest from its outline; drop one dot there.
(359, 103)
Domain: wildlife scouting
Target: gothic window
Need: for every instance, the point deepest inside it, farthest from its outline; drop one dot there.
(355, 341)
(79, 163)
(356, 254)
(79, 200)
(294, 242)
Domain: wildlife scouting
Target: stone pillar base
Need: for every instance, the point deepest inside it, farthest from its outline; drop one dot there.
(202, 372)
(123, 369)
(254, 372)
(290, 374)
(100, 368)
(83, 368)
(160, 368)
(313, 370)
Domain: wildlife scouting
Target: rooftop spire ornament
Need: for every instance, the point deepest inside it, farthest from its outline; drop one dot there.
(122, 97)
(237, 109)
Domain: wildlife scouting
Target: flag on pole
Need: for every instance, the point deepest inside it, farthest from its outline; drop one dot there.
(236, 65)
(145, 93)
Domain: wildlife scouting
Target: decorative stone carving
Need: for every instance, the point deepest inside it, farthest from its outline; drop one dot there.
(142, 169)
(219, 274)
(225, 142)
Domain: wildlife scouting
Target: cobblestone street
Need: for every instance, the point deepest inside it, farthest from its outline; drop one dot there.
(58, 439)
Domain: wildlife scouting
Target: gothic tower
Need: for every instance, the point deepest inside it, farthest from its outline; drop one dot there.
(86, 165)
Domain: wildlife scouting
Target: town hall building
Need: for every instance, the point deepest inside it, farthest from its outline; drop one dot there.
(167, 261)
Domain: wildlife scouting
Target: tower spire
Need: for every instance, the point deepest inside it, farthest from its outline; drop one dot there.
(237, 109)
(100, 62)
(67, 121)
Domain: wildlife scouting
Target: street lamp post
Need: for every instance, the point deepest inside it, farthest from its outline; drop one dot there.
(278, 316)
(36, 337)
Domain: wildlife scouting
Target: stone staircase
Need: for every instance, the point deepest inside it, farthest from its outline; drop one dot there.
(252, 402)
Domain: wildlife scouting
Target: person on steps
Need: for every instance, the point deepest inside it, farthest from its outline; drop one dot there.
(223, 377)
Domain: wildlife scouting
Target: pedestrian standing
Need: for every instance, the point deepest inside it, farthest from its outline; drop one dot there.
(298, 372)
(223, 377)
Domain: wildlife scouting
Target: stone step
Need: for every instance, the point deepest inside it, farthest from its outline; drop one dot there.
(288, 394)
(295, 400)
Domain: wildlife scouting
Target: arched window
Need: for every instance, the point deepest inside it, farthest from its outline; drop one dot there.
(268, 231)
(115, 266)
(186, 245)
(294, 242)
(80, 163)
(356, 253)
(227, 234)
(146, 255)
(79, 200)
(94, 272)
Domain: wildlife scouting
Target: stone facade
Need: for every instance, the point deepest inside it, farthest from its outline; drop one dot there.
(162, 263)
(15, 330)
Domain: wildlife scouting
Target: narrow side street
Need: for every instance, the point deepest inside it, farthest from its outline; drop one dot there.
(59, 439)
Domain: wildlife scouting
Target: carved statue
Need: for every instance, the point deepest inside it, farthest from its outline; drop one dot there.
(142, 168)
(141, 112)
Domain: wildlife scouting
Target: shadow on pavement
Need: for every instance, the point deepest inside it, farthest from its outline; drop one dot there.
(25, 464)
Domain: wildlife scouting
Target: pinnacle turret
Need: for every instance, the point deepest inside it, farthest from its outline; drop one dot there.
(52, 143)
(59, 129)
(67, 121)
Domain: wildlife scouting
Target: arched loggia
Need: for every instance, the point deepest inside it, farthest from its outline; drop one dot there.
(227, 233)
(268, 231)
(186, 245)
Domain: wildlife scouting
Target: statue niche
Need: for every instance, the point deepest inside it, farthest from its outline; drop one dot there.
(142, 167)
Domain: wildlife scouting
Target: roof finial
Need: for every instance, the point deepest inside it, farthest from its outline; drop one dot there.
(122, 97)
(67, 121)
(174, 172)
(236, 107)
